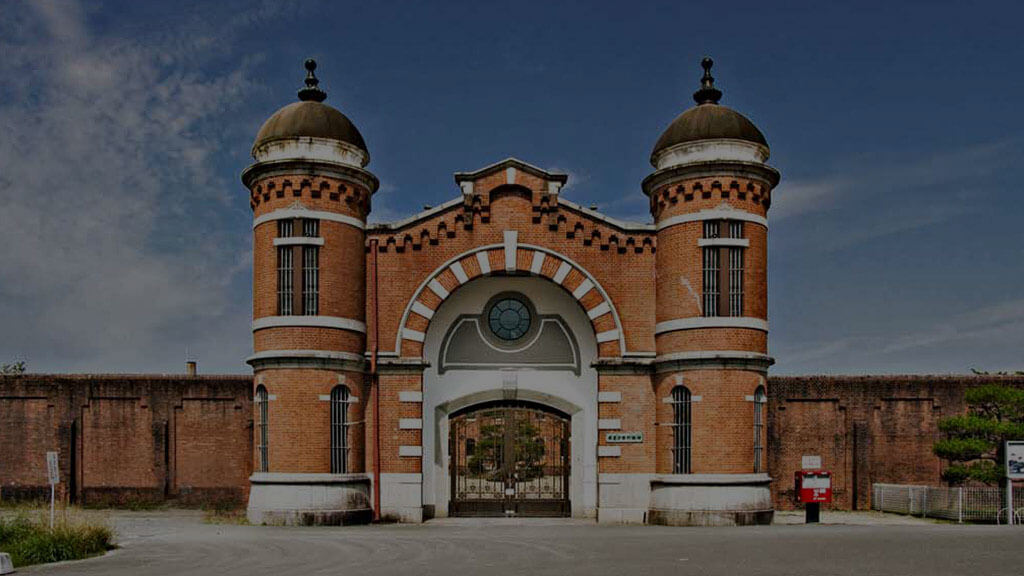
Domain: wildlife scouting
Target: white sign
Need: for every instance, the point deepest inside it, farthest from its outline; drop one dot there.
(624, 437)
(52, 470)
(1015, 460)
(810, 462)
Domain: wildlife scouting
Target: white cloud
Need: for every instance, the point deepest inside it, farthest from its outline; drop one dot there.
(116, 230)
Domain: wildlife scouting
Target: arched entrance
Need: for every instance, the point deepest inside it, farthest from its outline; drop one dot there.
(509, 458)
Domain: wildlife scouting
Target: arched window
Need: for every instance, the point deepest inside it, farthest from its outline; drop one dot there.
(340, 400)
(262, 464)
(760, 398)
(681, 432)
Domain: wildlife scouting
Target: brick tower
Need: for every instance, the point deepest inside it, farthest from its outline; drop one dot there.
(310, 196)
(709, 195)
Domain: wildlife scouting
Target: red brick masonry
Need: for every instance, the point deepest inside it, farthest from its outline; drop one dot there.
(127, 439)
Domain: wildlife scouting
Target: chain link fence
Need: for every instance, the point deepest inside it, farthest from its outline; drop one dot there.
(959, 504)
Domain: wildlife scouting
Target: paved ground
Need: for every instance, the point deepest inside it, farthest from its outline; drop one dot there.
(167, 543)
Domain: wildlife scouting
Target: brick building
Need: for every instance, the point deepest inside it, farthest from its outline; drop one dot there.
(510, 351)
(506, 352)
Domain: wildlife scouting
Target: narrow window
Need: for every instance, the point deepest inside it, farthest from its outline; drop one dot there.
(285, 270)
(310, 228)
(262, 464)
(339, 429)
(760, 398)
(723, 270)
(681, 440)
(711, 274)
(310, 280)
(285, 290)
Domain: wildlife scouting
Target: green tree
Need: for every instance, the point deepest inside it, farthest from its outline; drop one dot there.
(12, 368)
(974, 442)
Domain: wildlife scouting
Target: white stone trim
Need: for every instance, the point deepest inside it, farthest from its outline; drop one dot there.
(562, 272)
(327, 398)
(424, 214)
(693, 398)
(537, 263)
(410, 396)
(421, 309)
(288, 213)
(460, 274)
(698, 322)
(714, 214)
(410, 451)
(309, 322)
(609, 397)
(738, 242)
(485, 262)
(609, 424)
(620, 224)
(713, 355)
(748, 398)
(481, 255)
(607, 336)
(438, 289)
(609, 451)
(582, 289)
(510, 175)
(316, 354)
(415, 335)
(410, 423)
(298, 241)
(511, 242)
(599, 310)
(271, 397)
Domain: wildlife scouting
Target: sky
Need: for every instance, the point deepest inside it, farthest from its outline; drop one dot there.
(896, 242)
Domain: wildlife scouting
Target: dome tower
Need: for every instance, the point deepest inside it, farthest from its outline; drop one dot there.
(709, 195)
(310, 195)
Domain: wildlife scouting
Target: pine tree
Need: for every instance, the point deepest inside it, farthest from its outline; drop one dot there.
(974, 442)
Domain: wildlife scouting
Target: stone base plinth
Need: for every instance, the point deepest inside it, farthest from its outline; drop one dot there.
(309, 499)
(711, 500)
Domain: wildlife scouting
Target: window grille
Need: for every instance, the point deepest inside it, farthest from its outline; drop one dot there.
(284, 228)
(711, 228)
(310, 228)
(735, 228)
(340, 400)
(711, 288)
(760, 398)
(735, 281)
(310, 280)
(285, 290)
(681, 431)
(262, 464)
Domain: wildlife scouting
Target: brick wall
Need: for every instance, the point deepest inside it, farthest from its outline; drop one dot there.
(866, 429)
(126, 439)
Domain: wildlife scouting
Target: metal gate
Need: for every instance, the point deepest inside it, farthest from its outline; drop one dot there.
(509, 459)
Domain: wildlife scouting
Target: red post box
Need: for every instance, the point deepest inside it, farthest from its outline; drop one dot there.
(814, 486)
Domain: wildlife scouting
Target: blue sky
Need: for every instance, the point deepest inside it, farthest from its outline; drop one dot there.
(896, 242)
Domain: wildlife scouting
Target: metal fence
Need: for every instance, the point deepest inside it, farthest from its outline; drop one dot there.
(960, 504)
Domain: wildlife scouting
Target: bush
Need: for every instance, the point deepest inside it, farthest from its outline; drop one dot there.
(31, 541)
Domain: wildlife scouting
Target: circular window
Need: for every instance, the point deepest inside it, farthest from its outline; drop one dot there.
(509, 319)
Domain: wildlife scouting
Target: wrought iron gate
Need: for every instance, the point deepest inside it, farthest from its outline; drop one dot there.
(509, 459)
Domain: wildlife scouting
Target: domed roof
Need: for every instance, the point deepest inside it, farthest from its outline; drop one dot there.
(708, 120)
(310, 117)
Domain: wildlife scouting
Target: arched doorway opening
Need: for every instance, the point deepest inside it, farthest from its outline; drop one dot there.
(509, 458)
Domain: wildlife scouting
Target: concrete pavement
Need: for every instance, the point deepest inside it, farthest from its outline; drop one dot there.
(170, 543)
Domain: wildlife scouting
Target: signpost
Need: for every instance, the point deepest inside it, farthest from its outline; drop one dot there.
(53, 473)
(1014, 471)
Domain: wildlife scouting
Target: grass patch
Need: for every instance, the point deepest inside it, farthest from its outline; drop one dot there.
(29, 539)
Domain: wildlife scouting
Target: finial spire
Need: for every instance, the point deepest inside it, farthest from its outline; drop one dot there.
(312, 89)
(707, 94)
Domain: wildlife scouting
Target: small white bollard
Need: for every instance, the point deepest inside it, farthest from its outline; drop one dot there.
(5, 564)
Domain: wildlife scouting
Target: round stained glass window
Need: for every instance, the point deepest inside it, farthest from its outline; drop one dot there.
(509, 319)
